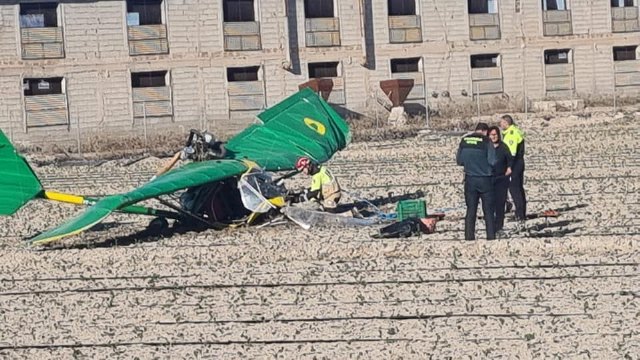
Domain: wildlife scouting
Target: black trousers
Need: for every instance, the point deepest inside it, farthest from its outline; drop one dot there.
(478, 188)
(500, 189)
(516, 189)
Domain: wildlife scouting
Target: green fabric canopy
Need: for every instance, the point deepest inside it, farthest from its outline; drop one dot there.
(18, 183)
(301, 125)
(192, 174)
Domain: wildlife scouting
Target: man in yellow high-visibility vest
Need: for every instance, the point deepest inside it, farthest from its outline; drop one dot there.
(324, 186)
(513, 137)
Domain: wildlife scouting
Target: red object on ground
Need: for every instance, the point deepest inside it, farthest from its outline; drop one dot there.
(428, 225)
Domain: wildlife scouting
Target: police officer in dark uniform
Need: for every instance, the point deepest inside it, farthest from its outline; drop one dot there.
(478, 156)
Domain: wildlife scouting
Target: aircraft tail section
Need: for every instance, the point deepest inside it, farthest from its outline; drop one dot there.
(18, 183)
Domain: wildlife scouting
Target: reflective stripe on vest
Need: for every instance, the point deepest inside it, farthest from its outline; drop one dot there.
(326, 183)
(512, 137)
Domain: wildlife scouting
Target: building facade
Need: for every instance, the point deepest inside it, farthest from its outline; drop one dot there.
(127, 66)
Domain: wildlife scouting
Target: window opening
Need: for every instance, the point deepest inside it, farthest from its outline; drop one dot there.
(42, 86)
(484, 61)
(557, 56)
(401, 7)
(554, 5)
(144, 12)
(318, 9)
(243, 73)
(238, 10)
(38, 15)
(622, 3)
(405, 65)
(149, 79)
(483, 6)
(623, 53)
(323, 70)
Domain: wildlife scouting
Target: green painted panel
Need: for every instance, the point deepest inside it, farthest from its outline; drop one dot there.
(192, 174)
(18, 182)
(301, 125)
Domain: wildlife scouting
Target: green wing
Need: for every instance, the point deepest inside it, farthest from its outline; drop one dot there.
(18, 183)
(301, 125)
(192, 174)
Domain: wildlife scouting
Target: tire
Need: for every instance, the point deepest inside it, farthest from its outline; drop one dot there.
(158, 226)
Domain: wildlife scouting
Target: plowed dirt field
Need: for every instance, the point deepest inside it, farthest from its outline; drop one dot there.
(568, 287)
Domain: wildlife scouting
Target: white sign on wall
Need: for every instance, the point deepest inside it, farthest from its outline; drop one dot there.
(43, 85)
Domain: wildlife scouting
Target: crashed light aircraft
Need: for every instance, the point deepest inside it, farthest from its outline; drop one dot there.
(228, 190)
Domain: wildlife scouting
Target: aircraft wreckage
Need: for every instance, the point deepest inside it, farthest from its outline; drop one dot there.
(216, 189)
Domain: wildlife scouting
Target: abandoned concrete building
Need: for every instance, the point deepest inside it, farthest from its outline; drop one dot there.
(114, 66)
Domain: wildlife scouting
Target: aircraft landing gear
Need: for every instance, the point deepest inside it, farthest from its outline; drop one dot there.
(158, 226)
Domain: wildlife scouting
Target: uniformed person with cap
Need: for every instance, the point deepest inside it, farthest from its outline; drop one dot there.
(478, 156)
(513, 137)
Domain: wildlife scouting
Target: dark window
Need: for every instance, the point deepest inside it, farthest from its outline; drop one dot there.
(402, 7)
(556, 56)
(44, 86)
(484, 61)
(37, 15)
(622, 3)
(405, 65)
(144, 12)
(238, 10)
(149, 79)
(243, 73)
(622, 53)
(323, 70)
(318, 9)
(483, 6)
(554, 5)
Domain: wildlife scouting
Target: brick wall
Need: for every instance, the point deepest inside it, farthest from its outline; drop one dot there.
(9, 35)
(94, 30)
(97, 64)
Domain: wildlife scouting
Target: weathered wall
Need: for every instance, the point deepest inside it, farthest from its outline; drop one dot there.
(9, 37)
(94, 30)
(11, 108)
(97, 64)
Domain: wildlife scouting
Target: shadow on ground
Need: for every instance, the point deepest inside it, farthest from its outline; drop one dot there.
(157, 231)
(152, 233)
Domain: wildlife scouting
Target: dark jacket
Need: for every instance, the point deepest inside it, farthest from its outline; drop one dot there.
(518, 159)
(503, 160)
(476, 154)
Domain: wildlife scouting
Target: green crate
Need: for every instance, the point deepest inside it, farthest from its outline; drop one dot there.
(411, 208)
